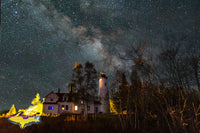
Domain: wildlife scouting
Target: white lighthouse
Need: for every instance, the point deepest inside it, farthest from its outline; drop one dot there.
(103, 94)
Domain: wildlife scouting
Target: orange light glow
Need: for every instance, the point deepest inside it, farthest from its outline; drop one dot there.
(76, 65)
(100, 83)
(112, 107)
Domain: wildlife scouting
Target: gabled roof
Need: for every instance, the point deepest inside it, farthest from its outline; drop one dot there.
(60, 96)
(50, 103)
(49, 94)
(71, 98)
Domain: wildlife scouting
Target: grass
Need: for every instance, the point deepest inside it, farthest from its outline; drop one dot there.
(166, 111)
(102, 124)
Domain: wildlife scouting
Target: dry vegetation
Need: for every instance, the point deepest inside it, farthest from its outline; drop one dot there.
(102, 123)
(161, 110)
(157, 110)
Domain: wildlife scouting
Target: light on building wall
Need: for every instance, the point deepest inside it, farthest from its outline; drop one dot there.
(76, 108)
(100, 85)
(63, 107)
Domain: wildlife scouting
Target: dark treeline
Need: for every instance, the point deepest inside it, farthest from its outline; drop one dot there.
(158, 98)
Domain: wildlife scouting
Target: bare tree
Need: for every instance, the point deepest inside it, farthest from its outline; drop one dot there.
(195, 65)
(177, 69)
(142, 65)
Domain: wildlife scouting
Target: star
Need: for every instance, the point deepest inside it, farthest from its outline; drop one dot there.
(16, 12)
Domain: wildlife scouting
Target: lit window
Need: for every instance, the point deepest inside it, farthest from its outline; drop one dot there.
(88, 108)
(81, 101)
(51, 107)
(63, 108)
(76, 107)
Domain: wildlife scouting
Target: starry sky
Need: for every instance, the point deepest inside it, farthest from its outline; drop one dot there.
(40, 40)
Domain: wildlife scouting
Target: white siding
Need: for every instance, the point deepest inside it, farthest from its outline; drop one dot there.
(103, 95)
(98, 109)
(70, 107)
(81, 108)
(47, 111)
(52, 97)
(91, 111)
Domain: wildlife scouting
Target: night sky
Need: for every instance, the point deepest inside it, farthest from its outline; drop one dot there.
(40, 40)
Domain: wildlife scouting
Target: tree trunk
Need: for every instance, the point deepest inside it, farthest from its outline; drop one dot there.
(197, 78)
(135, 116)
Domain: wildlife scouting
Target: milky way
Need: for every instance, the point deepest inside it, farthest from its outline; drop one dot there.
(42, 39)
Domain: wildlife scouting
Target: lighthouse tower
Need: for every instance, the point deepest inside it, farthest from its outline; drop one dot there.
(103, 94)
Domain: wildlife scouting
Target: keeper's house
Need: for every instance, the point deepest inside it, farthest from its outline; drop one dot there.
(58, 103)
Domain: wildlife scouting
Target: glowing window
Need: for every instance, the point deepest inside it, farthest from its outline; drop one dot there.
(76, 107)
(63, 108)
(88, 108)
(51, 107)
(81, 101)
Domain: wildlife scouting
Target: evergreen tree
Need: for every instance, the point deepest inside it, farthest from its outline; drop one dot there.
(84, 80)
(90, 77)
(77, 77)
(120, 94)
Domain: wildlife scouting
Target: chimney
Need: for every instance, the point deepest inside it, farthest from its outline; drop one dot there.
(70, 88)
(58, 90)
(69, 85)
